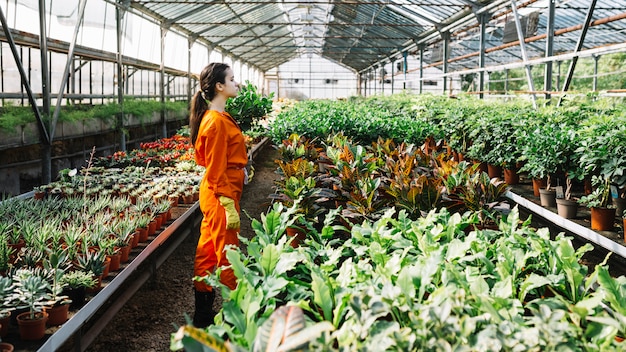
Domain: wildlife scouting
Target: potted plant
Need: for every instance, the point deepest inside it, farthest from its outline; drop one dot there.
(58, 306)
(7, 304)
(467, 190)
(94, 263)
(31, 292)
(599, 201)
(567, 207)
(248, 106)
(544, 150)
(75, 283)
(305, 196)
(6, 252)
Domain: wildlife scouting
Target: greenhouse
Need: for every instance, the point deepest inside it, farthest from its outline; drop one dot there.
(350, 175)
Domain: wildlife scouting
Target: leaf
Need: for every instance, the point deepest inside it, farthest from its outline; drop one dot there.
(287, 261)
(322, 296)
(233, 314)
(531, 282)
(406, 279)
(305, 335)
(281, 326)
(235, 262)
(269, 258)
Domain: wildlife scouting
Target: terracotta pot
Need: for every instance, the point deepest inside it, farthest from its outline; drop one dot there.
(566, 208)
(125, 253)
(107, 265)
(494, 171)
(188, 198)
(58, 315)
(547, 197)
(163, 217)
(116, 259)
(5, 321)
(6, 347)
(511, 176)
(97, 287)
(537, 185)
(298, 235)
(159, 222)
(602, 219)
(481, 167)
(32, 329)
(152, 227)
(142, 236)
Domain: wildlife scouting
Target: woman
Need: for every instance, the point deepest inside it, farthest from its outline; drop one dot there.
(221, 149)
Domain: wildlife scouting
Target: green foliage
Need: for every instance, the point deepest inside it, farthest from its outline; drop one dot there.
(12, 117)
(601, 195)
(362, 119)
(427, 284)
(249, 105)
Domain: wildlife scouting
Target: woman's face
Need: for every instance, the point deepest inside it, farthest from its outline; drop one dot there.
(230, 87)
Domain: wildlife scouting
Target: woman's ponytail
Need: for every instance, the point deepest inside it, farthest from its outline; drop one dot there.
(212, 74)
(197, 110)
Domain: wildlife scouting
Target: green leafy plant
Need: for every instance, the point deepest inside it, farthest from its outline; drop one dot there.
(601, 195)
(31, 290)
(248, 105)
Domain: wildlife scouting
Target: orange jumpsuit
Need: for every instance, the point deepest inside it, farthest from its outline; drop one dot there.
(221, 149)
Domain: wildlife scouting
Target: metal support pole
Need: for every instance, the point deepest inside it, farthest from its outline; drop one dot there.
(421, 69)
(579, 46)
(506, 81)
(163, 83)
(404, 67)
(558, 73)
(365, 86)
(382, 78)
(43, 132)
(392, 75)
(375, 80)
(522, 46)
(190, 41)
(68, 66)
(119, 15)
(446, 54)
(483, 18)
(547, 80)
(596, 58)
(46, 148)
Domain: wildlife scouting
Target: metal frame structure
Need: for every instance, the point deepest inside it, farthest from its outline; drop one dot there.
(458, 37)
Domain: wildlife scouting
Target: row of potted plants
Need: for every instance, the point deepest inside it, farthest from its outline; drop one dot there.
(552, 145)
(398, 283)
(68, 242)
(366, 180)
(78, 229)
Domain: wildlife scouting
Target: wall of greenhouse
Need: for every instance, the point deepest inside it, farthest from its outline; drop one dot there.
(94, 80)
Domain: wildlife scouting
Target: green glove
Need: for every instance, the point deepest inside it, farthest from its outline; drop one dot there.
(232, 216)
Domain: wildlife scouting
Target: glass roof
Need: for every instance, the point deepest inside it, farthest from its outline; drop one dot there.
(360, 34)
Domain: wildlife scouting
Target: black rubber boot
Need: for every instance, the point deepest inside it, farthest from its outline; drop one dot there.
(204, 315)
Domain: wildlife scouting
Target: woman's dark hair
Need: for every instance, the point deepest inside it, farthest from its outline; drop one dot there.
(212, 74)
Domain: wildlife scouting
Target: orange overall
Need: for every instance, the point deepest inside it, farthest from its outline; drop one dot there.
(221, 149)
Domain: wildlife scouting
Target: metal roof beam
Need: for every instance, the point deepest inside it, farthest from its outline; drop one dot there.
(579, 46)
